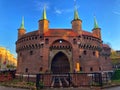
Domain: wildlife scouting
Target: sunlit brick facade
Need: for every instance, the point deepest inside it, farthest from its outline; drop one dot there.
(61, 50)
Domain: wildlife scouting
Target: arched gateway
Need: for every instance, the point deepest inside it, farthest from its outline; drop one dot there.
(60, 60)
(60, 63)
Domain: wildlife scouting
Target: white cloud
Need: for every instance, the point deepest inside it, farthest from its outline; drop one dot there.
(61, 11)
(40, 5)
(116, 12)
(58, 11)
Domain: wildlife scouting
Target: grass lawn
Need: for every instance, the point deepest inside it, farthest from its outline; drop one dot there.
(18, 83)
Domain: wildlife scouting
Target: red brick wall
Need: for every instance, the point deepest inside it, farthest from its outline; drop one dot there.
(40, 57)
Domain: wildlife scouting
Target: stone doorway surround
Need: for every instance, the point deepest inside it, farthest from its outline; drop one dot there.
(61, 46)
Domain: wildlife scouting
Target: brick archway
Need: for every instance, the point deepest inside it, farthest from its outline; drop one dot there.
(60, 63)
(59, 48)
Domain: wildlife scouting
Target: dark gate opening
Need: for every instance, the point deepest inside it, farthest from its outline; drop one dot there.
(60, 64)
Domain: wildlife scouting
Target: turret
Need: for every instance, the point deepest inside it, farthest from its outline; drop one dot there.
(43, 23)
(96, 30)
(21, 30)
(77, 23)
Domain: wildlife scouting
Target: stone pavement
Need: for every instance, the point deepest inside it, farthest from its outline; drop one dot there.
(10, 88)
(113, 88)
(80, 88)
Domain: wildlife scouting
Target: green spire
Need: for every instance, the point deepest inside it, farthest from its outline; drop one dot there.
(95, 23)
(44, 14)
(76, 16)
(22, 24)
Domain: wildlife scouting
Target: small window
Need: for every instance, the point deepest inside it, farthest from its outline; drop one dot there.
(32, 38)
(90, 38)
(84, 37)
(26, 70)
(94, 53)
(47, 41)
(20, 54)
(42, 45)
(41, 69)
(35, 37)
(29, 38)
(99, 68)
(105, 58)
(31, 52)
(85, 52)
(41, 57)
(81, 69)
(79, 57)
(79, 37)
(91, 69)
(41, 36)
(74, 41)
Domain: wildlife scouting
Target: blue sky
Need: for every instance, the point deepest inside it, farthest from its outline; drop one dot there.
(60, 14)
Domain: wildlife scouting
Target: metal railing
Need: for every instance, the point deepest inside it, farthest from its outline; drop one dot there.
(68, 80)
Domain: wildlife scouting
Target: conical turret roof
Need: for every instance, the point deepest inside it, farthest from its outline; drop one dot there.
(76, 16)
(95, 23)
(44, 16)
(22, 24)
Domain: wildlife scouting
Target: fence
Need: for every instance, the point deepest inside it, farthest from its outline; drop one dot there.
(7, 75)
(26, 77)
(68, 80)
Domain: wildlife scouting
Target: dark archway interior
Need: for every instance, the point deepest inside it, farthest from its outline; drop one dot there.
(60, 63)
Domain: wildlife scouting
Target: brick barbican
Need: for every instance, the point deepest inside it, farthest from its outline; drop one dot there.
(62, 50)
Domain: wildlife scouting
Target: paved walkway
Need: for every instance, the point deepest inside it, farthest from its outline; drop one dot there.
(113, 88)
(10, 88)
(70, 89)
